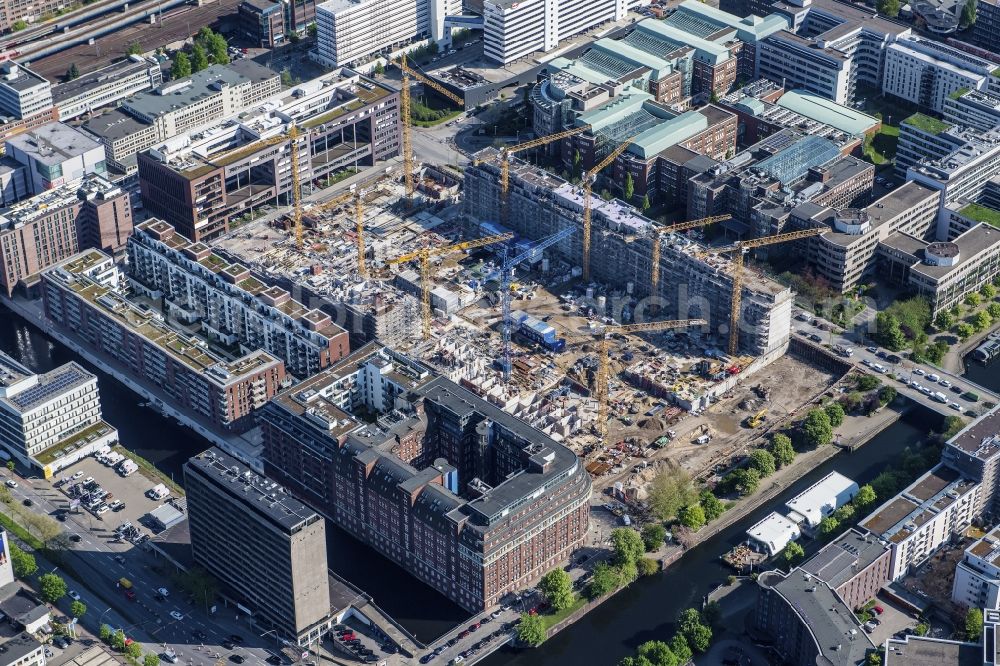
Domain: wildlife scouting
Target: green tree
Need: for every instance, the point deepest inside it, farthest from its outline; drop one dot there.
(873, 659)
(711, 614)
(973, 624)
(994, 310)
(793, 552)
(77, 608)
(887, 330)
(627, 545)
(746, 480)
(711, 504)
(657, 653)
(24, 563)
(964, 330)
(844, 513)
(134, 48)
(782, 449)
(604, 580)
(982, 320)
(379, 68)
(653, 536)
(944, 320)
(199, 58)
(105, 633)
(133, 650)
(967, 19)
(700, 638)
(648, 566)
(11, 465)
(888, 7)
(868, 382)
(531, 630)
(71, 73)
(628, 572)
(762, 461)
(866, 495)
(645, 202)
(19, 25)
(118, 640)
(557, 587)
(921, 629)
(52, 587)
(988, 291)
(679, 646)
(828, 526)
(886, 394)
(835, 412)
(670, 489)
(181, 66)
(151, 660)
(688, 619)
(629, 187)
(312, 30)
(692, 516)
(816, 428)
(972, 299)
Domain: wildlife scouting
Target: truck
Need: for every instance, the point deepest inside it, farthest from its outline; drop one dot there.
(841, 350)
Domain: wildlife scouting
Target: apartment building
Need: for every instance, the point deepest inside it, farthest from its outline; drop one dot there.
(23, 93)
(986, 29)
(83, 297)
(977, 575)
(459, 493)
(267, 548)
(55, 225)
(621, 252)
(926, 72)
(106, 86)
(351, 31)
(262, 22)
(802, 62)
(925, 515)
(854, 565)
(55, 154)
(963, 173)
(51, 420)
(977, 109)
(234, 307)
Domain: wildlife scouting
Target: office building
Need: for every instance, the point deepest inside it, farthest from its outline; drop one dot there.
(461, 494)
(963, 173)
(621, 252)
(986, 29)
(198, 286)
(913, 650)
(23, 93)
(926, 72)
(299, 15)
(976, 109)
(974, 453)
(801, 62)
(51, 420)
(106, 86)
(977, 575)
(83, 296)
(351, 31)
(267, 548)
(46, 229)
(56, 154)
(922, 137)
(262, 23)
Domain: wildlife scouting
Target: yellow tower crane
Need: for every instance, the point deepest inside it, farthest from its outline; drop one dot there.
(359, 229)
(404, 104)
(587, 187)
(293, 136)
(654, 277)
(424, 255)
(738, 248)
(604, 363)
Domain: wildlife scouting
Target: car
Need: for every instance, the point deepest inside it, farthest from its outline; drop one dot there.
(933, 378)
(236, 638)
(370, 659)
(919, 372)
(925, 390)
(957, 407)
(161, 599)
(473, 626)
(61, 517)
(871, 350)
(77, 475)
(119, 506)
(881, 353)
(74, 595)
(878, 610)
(102, 509)
(177, 615)
(426, 659)
(945, 383)
(485, 620)
(75, 538)
(956, 389)
(88, 480)
(236, 659)
(273, 659)
(163, 591)
(866, 362)
(463, 634)
(49, 653)
(495, 614)
(27, 501)
(815, 338)
(120, 559)
(199, 634)
(10, 483)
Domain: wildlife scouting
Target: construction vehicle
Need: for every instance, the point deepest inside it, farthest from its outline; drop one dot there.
(736, 270)
(588, 184)
(654, 278)
(424, 256)
(755, 420)
(604, 362)
(404, 108)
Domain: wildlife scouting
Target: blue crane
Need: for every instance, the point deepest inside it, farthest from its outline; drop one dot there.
(506, 277)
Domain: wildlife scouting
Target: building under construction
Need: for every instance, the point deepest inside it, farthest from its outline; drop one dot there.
(692, 284)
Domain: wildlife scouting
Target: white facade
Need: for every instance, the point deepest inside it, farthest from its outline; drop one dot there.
(513, 29)
(977, 575)
(797, 62)
(22, 92)
(926, 73)
(55, 154)
(106, 86)
(821, 499)
(349, 31)
(773, 533)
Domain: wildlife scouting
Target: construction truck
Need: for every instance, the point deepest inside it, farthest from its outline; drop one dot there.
(757, 419)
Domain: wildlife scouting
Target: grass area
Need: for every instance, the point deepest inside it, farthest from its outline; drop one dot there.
(21, 533)
(881, 148)
(149, 470)
(926, 123)
(981, 214)
(958, 93)
(434, 123)
(552, 620)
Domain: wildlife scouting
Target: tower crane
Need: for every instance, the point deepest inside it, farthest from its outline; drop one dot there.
(359, 219)
(404, 104)
(588, 185)
(738, 248)
(603, 369)
(506, 274)
(425, 254)
(654, 277)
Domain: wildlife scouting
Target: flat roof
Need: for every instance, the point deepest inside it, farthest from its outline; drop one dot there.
(49, 385)
(749, 29)
(184, 92)
(823, 497)
(85, 83)
(893, 204)
(981, 438)
(774, 532)
(114, 124)
(828, 112)
(53, 143)
(24, 78)
(668, 133)
(971, 244)
(924, 651)
(841, 560)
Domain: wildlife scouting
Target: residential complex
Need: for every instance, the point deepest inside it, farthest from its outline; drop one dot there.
(266, 547)
(977, 575)
(232, 307)
(926, 72)
(84, 297)
(51, 420)
(106, 86)
(467, 498)
(46, 229)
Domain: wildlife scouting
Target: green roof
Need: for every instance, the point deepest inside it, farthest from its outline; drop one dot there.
(927, 124)
(980, 213)
(669, 133)
(828, 112)
(750, 29)
(958, 93)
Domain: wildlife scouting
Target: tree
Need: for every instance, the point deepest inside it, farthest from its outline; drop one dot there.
(844, 513)
(711, 504)
(972, 299)
(994, 310)
(604, 580)
(71, 73)
(692, 517)
(133, 650)
(688, 619)
(700, 638)
(657, 653)
(888, 7)
(52, 587)
(874, 659)
(312, 30)
(629, 187)
(118, 640)
(828, 526)
(670, 490)
(887, 330)
(793, 552)
(627, 545)
(973, 624)
(944, 320)
(135, 48)
(24, 563)
(866, 495)
(627, 573)
(653, 536)
(557, 587)
(746, 480)
(886, 394)
(151, 660)
(982, 320)
(762, 461)
(964, 330)
(105, 633)
(218, 48)
(679, 646)
(379, 68)
(531, 630)
(180, 67)
(711, 614)
(868, 383)
(645, 202)
(967, 19)
(19, 25)
(816, 428)
(77, 608)
(199, 58)
(648, 566)
(782, 450)
(921, 629)
(835, 412)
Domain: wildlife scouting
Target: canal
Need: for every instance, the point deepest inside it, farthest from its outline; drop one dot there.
(422, 611)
